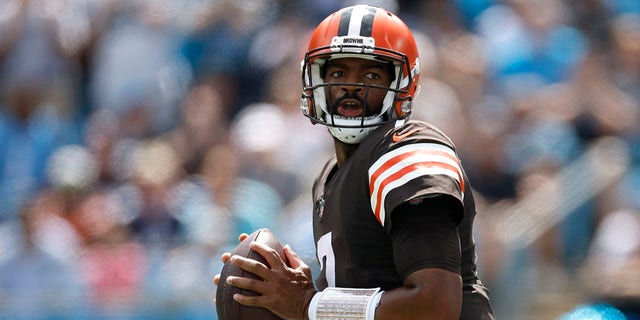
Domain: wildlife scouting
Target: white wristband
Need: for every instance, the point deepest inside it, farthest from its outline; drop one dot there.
(372, 305)
(313, 306)
(344, 303)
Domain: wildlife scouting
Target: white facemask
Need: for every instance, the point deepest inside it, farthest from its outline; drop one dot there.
(351, 135)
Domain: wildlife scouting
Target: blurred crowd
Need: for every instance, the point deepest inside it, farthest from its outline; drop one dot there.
(139, 138)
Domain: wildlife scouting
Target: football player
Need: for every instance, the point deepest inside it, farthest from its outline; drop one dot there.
(393, 210)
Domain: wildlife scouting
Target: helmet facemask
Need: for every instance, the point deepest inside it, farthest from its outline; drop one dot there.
(317, 106)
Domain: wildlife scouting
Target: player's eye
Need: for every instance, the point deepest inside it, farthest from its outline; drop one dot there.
(337, 74)
(372, 76)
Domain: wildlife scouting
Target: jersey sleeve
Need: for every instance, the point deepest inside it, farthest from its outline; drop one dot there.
(426, 240)
(422, 166)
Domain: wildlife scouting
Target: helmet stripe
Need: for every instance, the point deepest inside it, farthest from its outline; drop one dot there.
(357, 21)
(343, 28)
(367, 22)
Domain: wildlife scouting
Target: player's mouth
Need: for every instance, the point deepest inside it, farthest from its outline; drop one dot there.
(350, 108)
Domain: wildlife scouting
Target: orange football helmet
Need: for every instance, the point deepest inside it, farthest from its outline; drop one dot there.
(365, 32)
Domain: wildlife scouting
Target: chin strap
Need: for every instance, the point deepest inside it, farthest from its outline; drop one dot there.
(345, 303)
(347, 130)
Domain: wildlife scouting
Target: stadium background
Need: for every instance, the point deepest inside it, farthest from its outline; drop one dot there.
(138, 138)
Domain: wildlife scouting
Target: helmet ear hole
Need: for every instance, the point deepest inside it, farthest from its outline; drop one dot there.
(406, 107)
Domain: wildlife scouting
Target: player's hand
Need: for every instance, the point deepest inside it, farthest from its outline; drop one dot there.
(225, 257)
(286, 288)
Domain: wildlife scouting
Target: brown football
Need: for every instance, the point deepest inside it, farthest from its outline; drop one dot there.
(226, 307)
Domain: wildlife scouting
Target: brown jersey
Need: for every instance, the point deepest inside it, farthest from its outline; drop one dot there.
(353, 207)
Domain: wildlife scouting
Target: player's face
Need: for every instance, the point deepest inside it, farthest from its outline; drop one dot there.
(349, 100)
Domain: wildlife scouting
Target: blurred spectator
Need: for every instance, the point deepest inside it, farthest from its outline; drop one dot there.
(612, 270)
(30, 131)
(71, 169)
(539, 139)
(259, 131)
(203, 124)
(38, 74)
(218, 50)
(625, 55)
(156, 171)
(593, 18)
(180, 284)
(529, 44)
(621, 7)
(138, 71)
(471, 9)
(35, 49)
(113, 263)
(203, 202)
(101, 138)
(604, 107)
(222, 194)
(34, 283)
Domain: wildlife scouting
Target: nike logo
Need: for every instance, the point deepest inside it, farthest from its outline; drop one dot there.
(398, 137)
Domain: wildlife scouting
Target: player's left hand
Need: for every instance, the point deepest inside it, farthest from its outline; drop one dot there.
(286, 288)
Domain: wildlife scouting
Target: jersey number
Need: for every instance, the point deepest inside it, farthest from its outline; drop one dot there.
(327, 259)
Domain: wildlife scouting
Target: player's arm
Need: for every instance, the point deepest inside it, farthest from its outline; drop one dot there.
(426, 294)
(427, 254)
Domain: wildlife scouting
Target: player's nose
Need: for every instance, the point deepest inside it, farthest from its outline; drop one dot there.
(351, 86)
